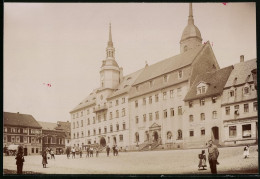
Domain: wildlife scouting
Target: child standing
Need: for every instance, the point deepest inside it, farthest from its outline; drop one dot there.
(202, 162)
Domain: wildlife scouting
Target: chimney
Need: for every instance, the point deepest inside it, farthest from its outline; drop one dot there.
(241, 58)
(121, 75)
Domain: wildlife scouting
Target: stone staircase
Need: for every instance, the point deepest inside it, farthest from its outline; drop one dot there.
(147, 146)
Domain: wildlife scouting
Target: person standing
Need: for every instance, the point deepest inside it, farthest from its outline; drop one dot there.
(202, 157)
(114, 148)
(52, 154)
(246, 151)
(19, 160)
(108, 149)
(68, 152)
(91, 151)
(97, 151)
(87, 152)
(213, 157)
(80, 152)
(44, 159)
(73, 152)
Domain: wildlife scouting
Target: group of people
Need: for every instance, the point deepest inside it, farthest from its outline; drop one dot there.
(114, 148)
(213, 154)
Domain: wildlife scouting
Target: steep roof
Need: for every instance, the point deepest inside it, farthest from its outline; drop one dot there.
(65, 126)
(18, 119)
(215, 80)
(90, 100)
(245, 67)
(47, 125)
(168, 65)
(126, 84)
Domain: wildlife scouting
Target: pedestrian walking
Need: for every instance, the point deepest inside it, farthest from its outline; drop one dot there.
(68, 152)
(87, 152)
(202, 162)
(246, 151)
(91, 151)
(80, 152)
(19, 160)
(108, 149)
(73, 152)
(52, 154)
(213, 157)
(44, 159)
(114, 148)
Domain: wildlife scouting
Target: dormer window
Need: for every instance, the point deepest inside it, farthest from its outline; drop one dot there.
(151, 84)
(180, 74)
(246, 90)
(235, 81)
(201, 89)
(165, 78)
(231, 93)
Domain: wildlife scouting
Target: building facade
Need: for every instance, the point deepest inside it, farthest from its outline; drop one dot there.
(239, 105)
(22, 129)
(150, 108)
(202, 119)
(66, 127)
(52, 138)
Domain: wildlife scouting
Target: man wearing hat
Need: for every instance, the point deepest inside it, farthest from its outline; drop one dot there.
(213, 157)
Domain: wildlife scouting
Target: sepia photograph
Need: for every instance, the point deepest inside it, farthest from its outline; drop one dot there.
(130, 88)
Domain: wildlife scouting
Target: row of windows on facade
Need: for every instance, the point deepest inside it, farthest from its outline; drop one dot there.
(99, 130)
(99, 119)
(21, 130)
(150, 98)
(121, 139)
(202, 132)
(165, 114)
(202, 116)
(169, 135)
(20, 139)
(245, 90)
(202, 101)
(165, 79)
(246, 131)
(76, 115)
(246, 108)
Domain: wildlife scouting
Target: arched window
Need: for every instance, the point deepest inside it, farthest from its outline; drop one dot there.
(169, 135)
(179, 134)
(202, 116)
(136, 137)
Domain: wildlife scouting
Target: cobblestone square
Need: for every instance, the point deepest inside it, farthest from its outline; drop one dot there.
(152, 162)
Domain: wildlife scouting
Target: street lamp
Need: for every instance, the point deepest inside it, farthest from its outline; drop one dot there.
(254, 74)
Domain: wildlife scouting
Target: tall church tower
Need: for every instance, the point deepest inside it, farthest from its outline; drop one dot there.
(191, 36)
(110, 71)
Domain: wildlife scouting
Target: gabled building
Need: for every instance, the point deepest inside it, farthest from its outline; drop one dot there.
(22, 129)
(66, 127)
(52, 138)
(239, 105)
(150, 107)
(202, 117)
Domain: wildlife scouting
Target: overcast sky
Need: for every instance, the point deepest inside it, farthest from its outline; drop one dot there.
(64, 45)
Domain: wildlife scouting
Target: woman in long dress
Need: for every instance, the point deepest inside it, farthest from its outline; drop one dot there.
(44, 159)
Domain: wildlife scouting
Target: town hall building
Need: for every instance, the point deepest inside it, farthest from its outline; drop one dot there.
(152, 107)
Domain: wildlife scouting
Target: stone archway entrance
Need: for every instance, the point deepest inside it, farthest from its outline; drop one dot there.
(155, 136)
(103, 142)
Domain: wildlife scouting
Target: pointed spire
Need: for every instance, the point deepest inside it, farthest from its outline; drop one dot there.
(110, 42)
(190, 20)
